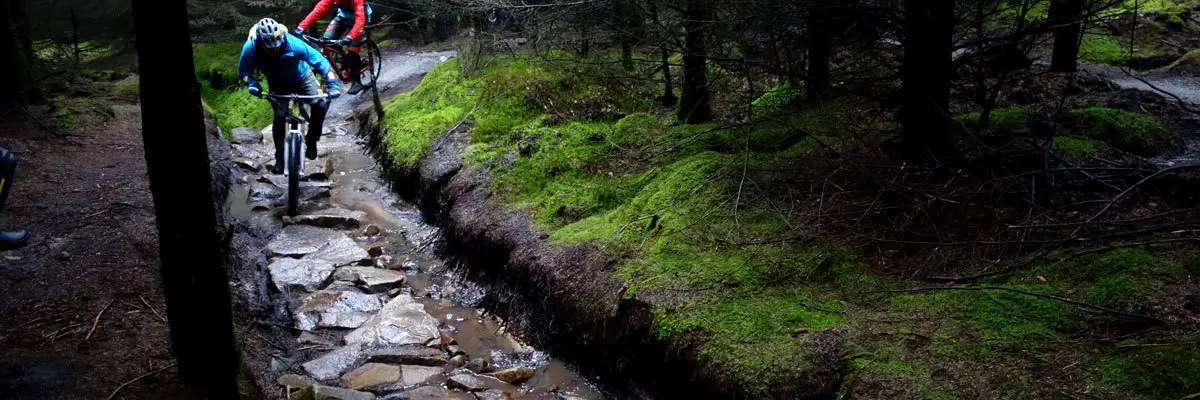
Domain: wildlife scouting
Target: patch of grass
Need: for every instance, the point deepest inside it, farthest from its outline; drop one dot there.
(1151, 373)
(779, 97)
(128, 87)
(216, 63)
(1130, 131)
(1072, 147)
(230, 105)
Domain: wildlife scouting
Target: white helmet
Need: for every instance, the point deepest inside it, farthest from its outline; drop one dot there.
(268, 33)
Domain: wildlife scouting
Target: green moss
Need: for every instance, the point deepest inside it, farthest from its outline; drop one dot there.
(1130, 131)
(1103, 49)
(216, 63)
(779, 97)
(128, 87)
(1001, 121)
(1166, 373)
(1072, 147)
(233, 108)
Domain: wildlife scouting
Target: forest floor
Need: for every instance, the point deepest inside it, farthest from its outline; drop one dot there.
(83, 304)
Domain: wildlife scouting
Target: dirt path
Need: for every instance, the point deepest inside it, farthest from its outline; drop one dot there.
(371, 306)
(94, 249)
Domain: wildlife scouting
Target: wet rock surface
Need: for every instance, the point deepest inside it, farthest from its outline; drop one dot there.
(245, 136)
(355, 269)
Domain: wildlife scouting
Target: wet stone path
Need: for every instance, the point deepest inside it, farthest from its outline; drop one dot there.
(376, 314)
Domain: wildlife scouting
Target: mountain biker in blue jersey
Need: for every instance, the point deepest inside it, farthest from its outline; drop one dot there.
(291, 67)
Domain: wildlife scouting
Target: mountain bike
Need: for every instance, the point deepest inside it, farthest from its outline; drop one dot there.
(332, 49)
(293, 142)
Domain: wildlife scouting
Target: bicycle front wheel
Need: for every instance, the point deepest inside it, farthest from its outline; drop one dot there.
(372, 64)
(294, 144)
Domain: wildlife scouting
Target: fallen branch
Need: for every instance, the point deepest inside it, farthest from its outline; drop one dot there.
(123, 385)
(96, 321)
(156, 314)
(1039, 295)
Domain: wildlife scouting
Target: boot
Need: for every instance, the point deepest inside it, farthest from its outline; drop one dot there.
(354, 64)
(277, 169)
(13, 240)
(310, 149)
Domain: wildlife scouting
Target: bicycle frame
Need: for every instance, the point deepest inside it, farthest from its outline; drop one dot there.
(333, 52)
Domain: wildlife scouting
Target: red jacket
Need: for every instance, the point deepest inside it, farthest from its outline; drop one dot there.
(325, 6)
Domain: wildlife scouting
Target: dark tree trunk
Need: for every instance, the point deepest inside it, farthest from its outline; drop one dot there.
(819, 49)
(668, 98)
(627, 54)
(929, 27)
(194, 278)
(16, 87)
(1067, 15)
(75, 36)
(20, 26)
(695, 108)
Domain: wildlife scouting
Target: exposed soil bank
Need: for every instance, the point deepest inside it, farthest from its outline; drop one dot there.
(564, 299)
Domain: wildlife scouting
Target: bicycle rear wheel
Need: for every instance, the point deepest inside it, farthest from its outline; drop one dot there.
(293, 170)
(372, 64)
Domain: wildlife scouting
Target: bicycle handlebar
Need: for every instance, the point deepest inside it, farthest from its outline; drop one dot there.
(296, 96)
(322, 41)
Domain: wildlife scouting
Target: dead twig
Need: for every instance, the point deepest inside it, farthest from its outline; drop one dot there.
(156, 314)
(96, 321)
(123, 385)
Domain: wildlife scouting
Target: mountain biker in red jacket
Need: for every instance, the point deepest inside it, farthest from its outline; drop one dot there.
(352, 16)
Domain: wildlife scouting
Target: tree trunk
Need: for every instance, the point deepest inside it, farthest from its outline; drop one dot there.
(194, 278)
(695, 108)
(668, 98)
(819, 49)
(75, 37)
(16, 87)
(20, 26)
(1067, 15)
(927, 69)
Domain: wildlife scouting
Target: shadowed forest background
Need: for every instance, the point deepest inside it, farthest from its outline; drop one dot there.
(862, 198)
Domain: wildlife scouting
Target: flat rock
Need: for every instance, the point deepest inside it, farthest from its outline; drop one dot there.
(301, 240)
(336, 309)
(247, 163)
(371, 279)
(312, 338)
(494, 394)
(339, 249)
(263, 193)
(333, 364)
(282, 181)
(294, 381)
(334, 218)
(242, 151)
(336, 393)
(310, 191)
(467, 382)
(371, 375)
(414, 375)
(435, 393)
(513, 375)
(412, 355)
(245, 136)
(479, 366)
(289, 274)
(402, 321)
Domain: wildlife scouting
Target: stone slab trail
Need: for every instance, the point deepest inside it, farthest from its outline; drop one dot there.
(389, 319)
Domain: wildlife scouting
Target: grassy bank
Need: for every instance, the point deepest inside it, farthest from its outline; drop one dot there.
(223, 96)
(591, 158)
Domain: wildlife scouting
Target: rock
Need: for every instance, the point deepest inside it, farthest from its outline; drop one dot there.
(312, 338)
(333, 364)
(300, 240)
(334, 218)
(513, 375)
(458, 361)
(278, 365)
(341, 250)
(479, 366)
(446, 339)
(289, 274)
(454, 350)
(402, 321)
(282, 181)
(434, 393)
(494, 394)
(336, 309)
(247, 152)
(336, 393)
(63, 256)
(371, 375)
(375, 251)
(564, 396)
(371, 230)
(248, 164)
(394, 292)
(371, 279)
(413, 355)
(293, 381)
(245, 136)
(305, 394)
(310, 192)
(386, 262)
(414, 375)
(263, 193)
(467, 382)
